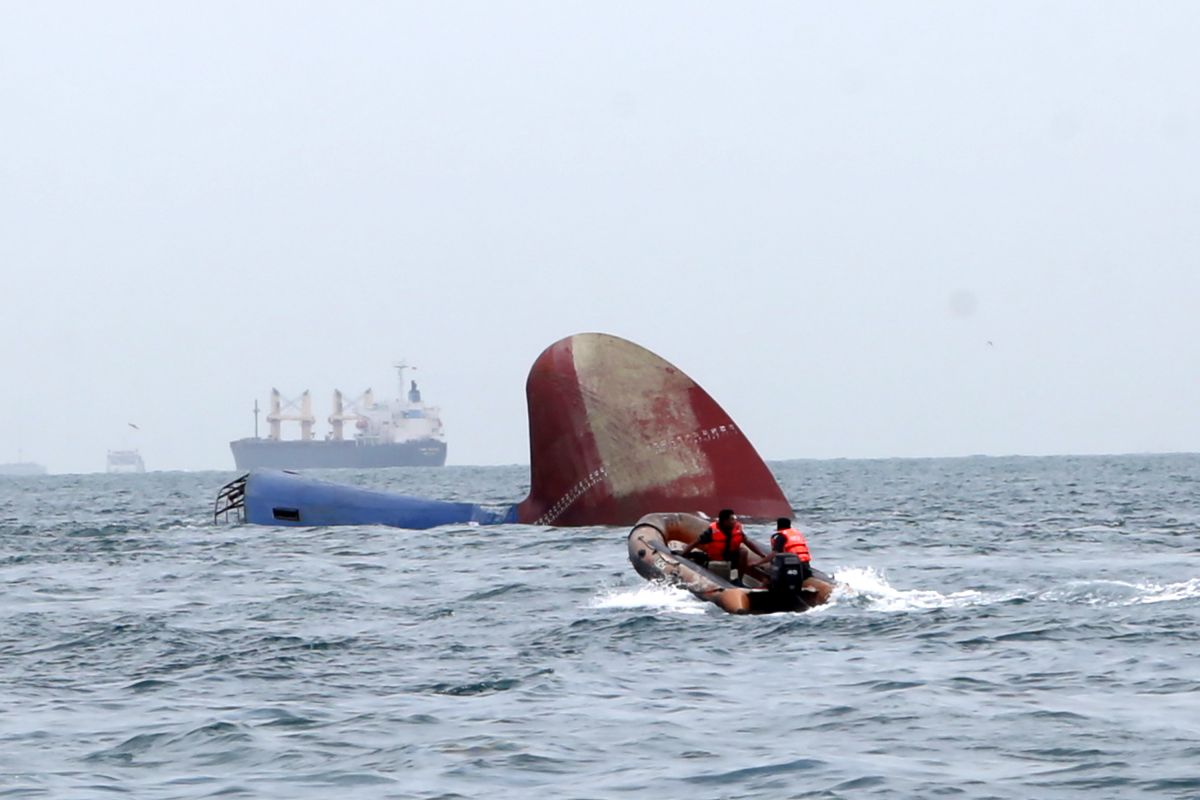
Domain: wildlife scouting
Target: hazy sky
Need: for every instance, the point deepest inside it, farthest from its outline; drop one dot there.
(821, 212)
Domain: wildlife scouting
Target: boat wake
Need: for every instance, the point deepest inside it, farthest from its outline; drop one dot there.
(1124, 593)
(863, 587)
(868, 588)
(655, 596)
(1158, 593)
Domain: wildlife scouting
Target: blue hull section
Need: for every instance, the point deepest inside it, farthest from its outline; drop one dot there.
(284, 498)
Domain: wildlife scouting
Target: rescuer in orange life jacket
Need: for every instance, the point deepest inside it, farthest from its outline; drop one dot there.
(722, 542)
(788, 542)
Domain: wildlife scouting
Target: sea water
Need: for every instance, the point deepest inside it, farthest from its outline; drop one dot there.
(1002, 628)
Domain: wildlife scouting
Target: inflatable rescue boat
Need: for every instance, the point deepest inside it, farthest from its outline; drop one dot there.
(779, 585)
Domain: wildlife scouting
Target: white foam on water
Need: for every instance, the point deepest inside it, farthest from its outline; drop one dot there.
(1123, 593)
(865, 587)
(1167, 593)
(654, 595)
(869, 587)
(1091, 592)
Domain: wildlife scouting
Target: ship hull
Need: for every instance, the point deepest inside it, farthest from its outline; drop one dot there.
(271, 454)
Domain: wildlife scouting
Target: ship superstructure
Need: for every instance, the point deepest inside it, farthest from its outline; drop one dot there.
(390, 433)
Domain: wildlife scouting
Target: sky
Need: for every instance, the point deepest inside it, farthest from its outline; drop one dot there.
(867, 229)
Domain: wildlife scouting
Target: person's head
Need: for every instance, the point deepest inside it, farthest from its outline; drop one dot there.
(726, 519)
(782, 524)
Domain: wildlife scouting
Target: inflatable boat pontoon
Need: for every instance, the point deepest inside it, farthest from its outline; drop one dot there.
(779, 585)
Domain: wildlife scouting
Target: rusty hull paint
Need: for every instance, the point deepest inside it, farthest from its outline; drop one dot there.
(616, 432)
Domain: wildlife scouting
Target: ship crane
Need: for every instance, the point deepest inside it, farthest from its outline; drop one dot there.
(351, 411)
(384, 432)
(291, 410)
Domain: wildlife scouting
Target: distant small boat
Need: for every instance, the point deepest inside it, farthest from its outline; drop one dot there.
(123, 461)
(653, 545)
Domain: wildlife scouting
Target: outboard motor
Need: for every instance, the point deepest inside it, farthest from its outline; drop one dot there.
(788, 574)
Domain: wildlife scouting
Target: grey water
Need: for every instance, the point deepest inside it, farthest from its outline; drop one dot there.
(1003, 628)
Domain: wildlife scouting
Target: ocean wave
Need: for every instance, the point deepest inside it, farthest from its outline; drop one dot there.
(958, 656)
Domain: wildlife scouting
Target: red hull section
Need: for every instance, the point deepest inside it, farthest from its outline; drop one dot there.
(615, 432)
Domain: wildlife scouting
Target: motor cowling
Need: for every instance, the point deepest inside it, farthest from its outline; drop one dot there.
(788, 574)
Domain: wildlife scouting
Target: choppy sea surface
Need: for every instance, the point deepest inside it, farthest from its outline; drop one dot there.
(1003, 628)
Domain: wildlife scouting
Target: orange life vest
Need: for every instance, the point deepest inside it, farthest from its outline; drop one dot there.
(721, 547)
(794, 542)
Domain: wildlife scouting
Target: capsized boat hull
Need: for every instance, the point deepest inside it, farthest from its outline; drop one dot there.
(615, 432)
(275, 497)
(652, 556)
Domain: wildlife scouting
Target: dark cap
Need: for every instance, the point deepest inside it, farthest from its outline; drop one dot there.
(783, 523)
(725, 514)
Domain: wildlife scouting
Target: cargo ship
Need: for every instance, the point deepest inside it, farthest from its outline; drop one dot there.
(403, 432)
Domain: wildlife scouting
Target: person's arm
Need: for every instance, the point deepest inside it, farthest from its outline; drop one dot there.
(754, 548)
(776, 546)
(703, 538)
